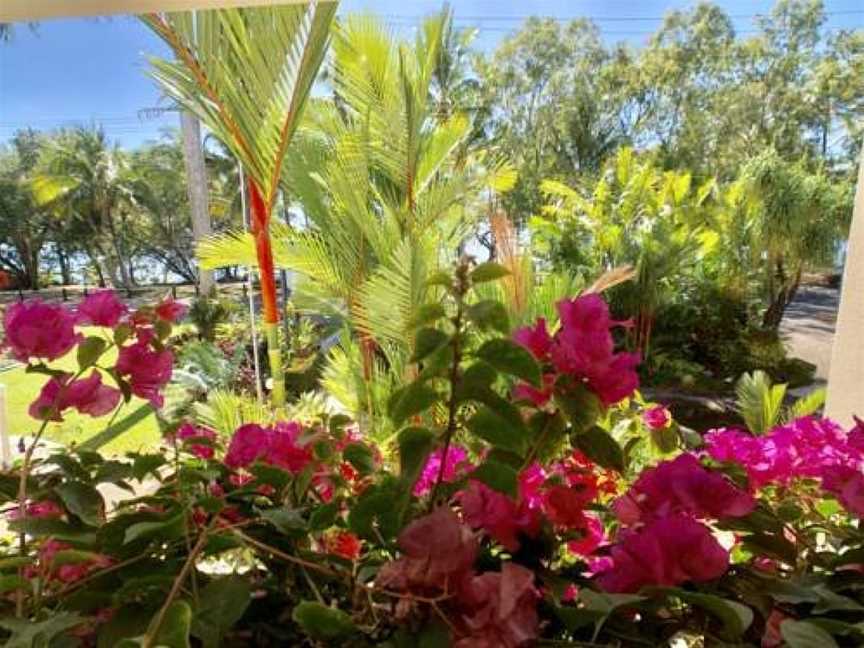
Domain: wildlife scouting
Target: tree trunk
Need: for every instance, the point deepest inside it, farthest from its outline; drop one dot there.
(196, 176)
(269, 303)
(63, 260)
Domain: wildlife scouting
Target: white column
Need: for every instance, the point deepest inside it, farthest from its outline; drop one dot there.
(846, 377)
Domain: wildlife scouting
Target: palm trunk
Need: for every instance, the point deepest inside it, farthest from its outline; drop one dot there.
(264, 251)
(196, 175)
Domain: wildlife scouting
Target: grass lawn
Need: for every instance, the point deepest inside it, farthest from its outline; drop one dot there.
(134, 427)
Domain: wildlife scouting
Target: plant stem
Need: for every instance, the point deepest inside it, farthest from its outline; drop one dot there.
(153, 632)
(287, 557)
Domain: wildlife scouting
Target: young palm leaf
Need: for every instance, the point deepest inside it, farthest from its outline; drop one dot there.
(246, 74)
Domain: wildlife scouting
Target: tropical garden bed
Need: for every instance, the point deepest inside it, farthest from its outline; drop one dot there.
(420, 447)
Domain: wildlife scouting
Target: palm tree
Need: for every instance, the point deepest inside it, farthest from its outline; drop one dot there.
(89, 184)
(246, 74)
(384, 181)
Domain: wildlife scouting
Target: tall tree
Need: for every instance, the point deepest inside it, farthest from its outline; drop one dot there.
(196, 178)
(246, 74)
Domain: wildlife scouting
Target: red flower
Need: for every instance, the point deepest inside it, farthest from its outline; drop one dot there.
(41, 509)
(665, 552)
(170, 310)
(277, 446)
(498, 609)
(593, 536)
(101, 308)
(682, 486)
(565, 505)
(187, 433)
(536, 339)
(37, 330)
(657, 417)
(538, 397)
(148, 370)
(847, 484)
(344, 544)
(249, 443)
(87, 395)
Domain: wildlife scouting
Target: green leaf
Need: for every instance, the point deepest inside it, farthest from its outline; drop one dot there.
(288, 521)
(498, 476)
(497, 430)
(410, 400)
(599, 446)
(580, 405)
(508, 357)
(29, 634)
(12, 582)
(605, 604)
(428, 314)
(122, 333)
(736, 618)
(167, 529)
(41, 527)
(488, 271)
(443, 279)
(175, 628)
(83, 500)
(322, 623)
(415, 444)
(480, 375)
(221, 604)
(360, 456)
(800, 634)
(489, 314)
(428, 341)
(324, 516)
(89, 351)
(377, 507)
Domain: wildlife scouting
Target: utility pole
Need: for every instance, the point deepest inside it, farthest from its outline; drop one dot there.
(196, 176)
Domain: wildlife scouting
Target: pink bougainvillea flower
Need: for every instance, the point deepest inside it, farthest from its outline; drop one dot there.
(498, 515)
(665, 552)
(565, 505)
(657, 417)
(439, 552)
(773, 638)
(37, 330)
(530, 394)
(682, 486)
(170, 310)
(593, 536)
(455, 467)
(531, 482)
(802, 448)
(87, 395)
(498, 609)
(41, 509)
(148, 370)
(535, 338)
(101, 308)
(344, 544)
(284, 450)
(188, 433)
(847, 484)
(249, 443)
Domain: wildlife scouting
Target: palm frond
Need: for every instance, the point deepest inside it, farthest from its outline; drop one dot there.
(807, 405)
(759, 402)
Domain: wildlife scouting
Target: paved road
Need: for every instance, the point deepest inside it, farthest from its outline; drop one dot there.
(808, 326)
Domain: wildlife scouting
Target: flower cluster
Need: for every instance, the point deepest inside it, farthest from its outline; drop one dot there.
(45, 332)
(664, 541)
(50, 567)
(803, 448)
(583, 349)
(278, 445)
(456, 465)
(488, 609)
(197, 439)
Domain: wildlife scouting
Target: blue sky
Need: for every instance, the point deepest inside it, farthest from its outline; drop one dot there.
(81, 71)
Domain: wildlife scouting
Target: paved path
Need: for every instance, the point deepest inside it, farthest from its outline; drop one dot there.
(808, 327)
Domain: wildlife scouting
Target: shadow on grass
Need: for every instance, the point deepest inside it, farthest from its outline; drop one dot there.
(109, 434)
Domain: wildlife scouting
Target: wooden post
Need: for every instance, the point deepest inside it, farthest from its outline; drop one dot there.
(846, 376)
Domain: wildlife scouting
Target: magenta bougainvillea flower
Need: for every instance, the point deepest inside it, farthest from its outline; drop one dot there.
(188, 433)
(657, 417)
(101, 308)
(847, 484)
(170, 310)
(666, 552)
(582, 348)
(593, 535)
(498, 609)
(87, 395)
(41, 509)
(148, 370)
(682, 486)
(455, 467)
(37, 330)
(498, 515)
(277, 445)
(531, 394)
(803, 448)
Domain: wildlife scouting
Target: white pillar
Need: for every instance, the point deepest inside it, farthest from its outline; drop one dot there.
(846, 377)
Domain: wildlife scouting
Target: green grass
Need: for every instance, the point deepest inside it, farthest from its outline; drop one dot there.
(135, 426)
